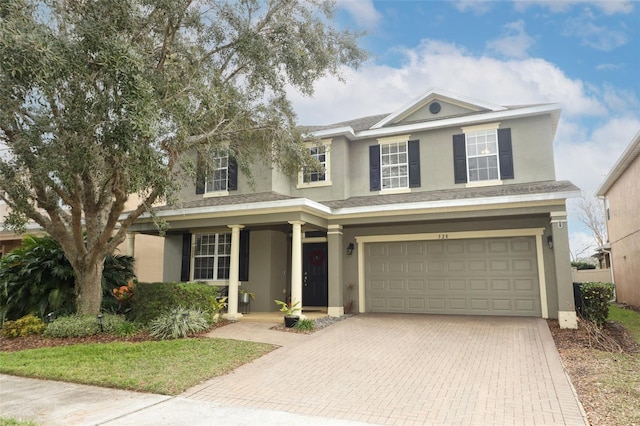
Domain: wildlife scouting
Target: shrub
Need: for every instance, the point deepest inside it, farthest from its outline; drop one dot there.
(305, 325)
(86, 325)
(36, 278)
(24, 326)
(596, 298)
(580, 266)
(180, 322)
(155, 299)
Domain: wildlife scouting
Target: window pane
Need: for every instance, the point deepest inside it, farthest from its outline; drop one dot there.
(482, 158)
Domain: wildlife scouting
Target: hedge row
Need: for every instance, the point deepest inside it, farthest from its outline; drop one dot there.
(151, 300)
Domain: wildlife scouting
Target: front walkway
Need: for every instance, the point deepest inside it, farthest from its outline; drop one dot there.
(405, 369)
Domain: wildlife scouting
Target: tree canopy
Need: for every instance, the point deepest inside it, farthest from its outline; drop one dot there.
(101, 99)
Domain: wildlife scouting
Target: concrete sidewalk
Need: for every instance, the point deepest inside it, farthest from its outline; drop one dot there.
(372, 369)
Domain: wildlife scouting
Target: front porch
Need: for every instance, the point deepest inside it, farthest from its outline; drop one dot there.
(277, 317)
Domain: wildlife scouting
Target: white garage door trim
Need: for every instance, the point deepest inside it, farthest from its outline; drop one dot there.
(525, 232)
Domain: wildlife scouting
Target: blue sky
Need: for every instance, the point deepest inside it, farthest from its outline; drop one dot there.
(583, 55)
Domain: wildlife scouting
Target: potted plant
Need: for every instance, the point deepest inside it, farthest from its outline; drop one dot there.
(289, 309)
(246, 295)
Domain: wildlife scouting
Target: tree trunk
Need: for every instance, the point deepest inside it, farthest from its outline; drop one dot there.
(89, 288)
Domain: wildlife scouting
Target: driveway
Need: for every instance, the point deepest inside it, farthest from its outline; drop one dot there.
(406, 369)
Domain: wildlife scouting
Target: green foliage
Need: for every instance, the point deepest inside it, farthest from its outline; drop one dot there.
(127, 328)
(24, 326)
(287, 308)
(596, 301)
(178, 323)
(36, 278)
(85, 325)
(629, 318)
(583, 265)
(305, 325)
(103, 99)
(154, 299)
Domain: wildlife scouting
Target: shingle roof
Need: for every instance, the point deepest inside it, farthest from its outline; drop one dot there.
(229, 200)
(358, 124)
(548, 187)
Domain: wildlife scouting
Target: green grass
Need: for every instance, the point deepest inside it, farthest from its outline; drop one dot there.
(165, 367)
(628, 318)
(10, 421)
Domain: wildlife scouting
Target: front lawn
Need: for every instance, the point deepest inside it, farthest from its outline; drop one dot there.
(166, 367)
(629, 318)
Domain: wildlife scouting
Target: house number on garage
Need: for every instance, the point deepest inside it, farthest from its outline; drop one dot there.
(443, 236)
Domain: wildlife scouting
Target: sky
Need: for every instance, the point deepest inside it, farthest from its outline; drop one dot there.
(582, 55)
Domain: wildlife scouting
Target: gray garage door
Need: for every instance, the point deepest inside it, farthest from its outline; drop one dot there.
(496, 276)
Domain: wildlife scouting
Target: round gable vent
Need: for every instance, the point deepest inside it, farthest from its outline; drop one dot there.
(434, 108)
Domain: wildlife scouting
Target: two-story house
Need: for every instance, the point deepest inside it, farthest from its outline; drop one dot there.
(447, 206)
(622, 205)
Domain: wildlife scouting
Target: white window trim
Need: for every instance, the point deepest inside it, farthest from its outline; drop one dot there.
(386, 141)
(224, 281)
(327, 166)
(218, 193)
(479, 128)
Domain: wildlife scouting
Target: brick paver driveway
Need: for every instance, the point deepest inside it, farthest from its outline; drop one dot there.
(408, 369)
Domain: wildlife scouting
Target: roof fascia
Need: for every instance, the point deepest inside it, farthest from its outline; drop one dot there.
(465, 202)
(553, 109)
(326, 212)
(437, 93)
(625, 160)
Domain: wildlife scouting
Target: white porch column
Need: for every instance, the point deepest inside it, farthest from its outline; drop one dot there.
(234, 274)
(296, 264)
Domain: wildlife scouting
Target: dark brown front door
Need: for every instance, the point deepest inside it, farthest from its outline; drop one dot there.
(315, 271)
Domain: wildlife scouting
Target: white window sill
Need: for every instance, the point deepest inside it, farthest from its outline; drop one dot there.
(215, 194)
(319, 184)
(482, 183)
(395, 191)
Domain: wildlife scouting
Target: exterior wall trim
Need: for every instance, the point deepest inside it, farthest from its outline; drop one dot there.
(498, 233)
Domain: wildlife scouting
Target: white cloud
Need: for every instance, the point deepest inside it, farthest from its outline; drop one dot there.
(479, 7)
(609, 7)
(514, 43)
(363, 12)
(581, 242)
(605, 67)
(376, 89)
(595, 36)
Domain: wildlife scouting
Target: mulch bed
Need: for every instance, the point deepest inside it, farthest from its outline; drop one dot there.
(579, 338)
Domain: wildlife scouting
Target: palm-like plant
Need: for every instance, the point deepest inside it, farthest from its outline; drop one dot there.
(36, 278)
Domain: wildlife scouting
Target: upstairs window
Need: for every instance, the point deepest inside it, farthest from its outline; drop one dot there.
(212, 257)
(216, 174)
(483, 155)
(217, 179)
(320, 177)
(394, 165)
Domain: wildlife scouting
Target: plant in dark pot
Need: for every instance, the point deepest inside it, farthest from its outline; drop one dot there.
(290, 320)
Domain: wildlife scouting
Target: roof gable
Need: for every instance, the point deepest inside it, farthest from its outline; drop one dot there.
(436, 104)
(628, 156)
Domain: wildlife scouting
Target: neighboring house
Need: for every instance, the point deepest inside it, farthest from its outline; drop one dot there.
(621, 193)
(148, 248)
(449, 205)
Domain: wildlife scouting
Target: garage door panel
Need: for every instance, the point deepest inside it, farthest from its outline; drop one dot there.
(480, 277)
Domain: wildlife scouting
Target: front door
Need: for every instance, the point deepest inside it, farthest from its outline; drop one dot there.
(315, 270)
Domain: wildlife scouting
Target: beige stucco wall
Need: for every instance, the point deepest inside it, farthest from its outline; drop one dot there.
(624, 233)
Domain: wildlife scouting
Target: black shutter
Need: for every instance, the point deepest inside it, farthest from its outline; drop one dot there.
(374, 168)
(232, 177)
(460, 158)
(505, 153)
(413, 148)
(185, 270)
(201, 174)
(244, 256)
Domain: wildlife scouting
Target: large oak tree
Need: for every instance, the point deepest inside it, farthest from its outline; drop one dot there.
(100, 99)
